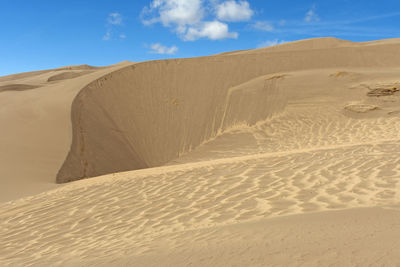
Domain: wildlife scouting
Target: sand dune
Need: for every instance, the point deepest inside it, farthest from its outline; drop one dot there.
(356, 237)
(281, 156)
(192, 100)
(19, 76)
(36, 128)
(67, 75)
(154, 212)
(17, 87)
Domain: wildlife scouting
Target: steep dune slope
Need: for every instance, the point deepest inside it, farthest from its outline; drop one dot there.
(153, 112)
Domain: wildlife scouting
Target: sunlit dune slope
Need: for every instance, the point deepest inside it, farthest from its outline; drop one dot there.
(35, 122)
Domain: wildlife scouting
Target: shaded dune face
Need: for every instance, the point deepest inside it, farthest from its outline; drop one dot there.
(67, 75)
(17, 87)
(148, 114)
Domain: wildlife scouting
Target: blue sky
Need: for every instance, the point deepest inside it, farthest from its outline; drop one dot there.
(44, 34)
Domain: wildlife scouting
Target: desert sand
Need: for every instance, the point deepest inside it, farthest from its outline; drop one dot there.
(35, 119)
(281, 156)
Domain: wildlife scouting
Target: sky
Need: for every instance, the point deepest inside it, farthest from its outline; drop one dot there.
(44, 34)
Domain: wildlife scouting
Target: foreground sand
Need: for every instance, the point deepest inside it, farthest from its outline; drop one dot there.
(356, 237)
(298, 167)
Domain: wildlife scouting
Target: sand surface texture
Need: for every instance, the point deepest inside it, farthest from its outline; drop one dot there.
(35, 123)
(282, 156)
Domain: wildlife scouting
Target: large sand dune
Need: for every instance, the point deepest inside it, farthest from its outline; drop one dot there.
(166, 108)
(279, 156)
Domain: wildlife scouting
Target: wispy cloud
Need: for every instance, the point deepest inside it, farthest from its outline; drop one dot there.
(271, 43)
(113, 20)
(263, 26)
(311, 15)
(315, 27)
(187, 18)
(107, 36)
(368, 18)
(160, 49)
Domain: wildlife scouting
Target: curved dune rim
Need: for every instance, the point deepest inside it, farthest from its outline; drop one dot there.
(138, 64)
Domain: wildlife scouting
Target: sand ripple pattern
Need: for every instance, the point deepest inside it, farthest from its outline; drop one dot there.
(128, 213)
(297, 128)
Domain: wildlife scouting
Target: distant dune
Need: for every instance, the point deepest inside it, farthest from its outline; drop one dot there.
(280, 156)
(17, 87)
(35, 119)
(67, 75)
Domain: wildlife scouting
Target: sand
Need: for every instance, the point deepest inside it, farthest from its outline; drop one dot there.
(167, 108)
(35, 119)
(281, 156)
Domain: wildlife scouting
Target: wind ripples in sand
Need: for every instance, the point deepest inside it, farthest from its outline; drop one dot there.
(138, 210)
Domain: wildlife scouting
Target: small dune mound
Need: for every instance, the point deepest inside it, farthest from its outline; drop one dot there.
(377, 92)
(17, 87)
(311, 44)
(78, 67)
(340, 74)
(360, 108)
(344, 74)
(66, 75)
(277, 76)
(394, 112)
(301, 45)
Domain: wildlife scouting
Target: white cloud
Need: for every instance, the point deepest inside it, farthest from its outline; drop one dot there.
(311, 15)
(186, 18)
(107, 36)
(177, 13)
(271, 43)
(234, 11)
(263, 26)
(114, 18)
(213, 30)
(158, 48)
(282, 22)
